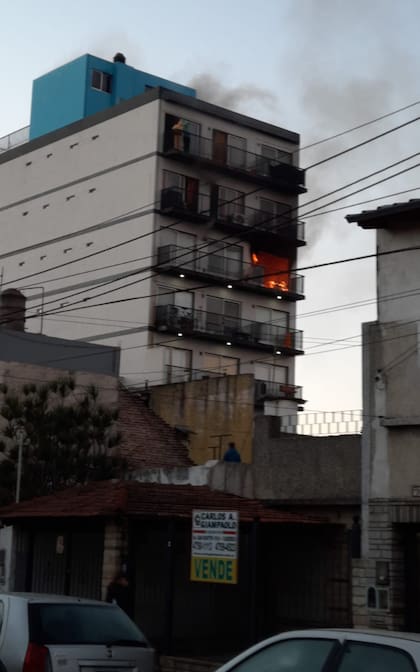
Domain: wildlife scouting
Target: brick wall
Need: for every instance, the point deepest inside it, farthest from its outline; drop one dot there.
(385, 544)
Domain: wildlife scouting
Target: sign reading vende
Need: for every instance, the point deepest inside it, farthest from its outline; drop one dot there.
(214, 546)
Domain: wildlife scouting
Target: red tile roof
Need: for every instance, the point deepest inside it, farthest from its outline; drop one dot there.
(147, 441)
(147, 500)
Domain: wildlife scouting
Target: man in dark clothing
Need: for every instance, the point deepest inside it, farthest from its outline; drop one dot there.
(119, 592)
(232, 454)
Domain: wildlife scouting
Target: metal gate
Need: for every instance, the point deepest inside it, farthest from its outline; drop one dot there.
(67, 563)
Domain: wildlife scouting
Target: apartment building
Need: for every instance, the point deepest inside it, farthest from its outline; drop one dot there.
(141, 217)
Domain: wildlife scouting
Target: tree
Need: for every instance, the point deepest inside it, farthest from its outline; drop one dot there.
(68, 438)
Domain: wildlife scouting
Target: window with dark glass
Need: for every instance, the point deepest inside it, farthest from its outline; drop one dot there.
(365, 657)
(290, 655)
(101, 81)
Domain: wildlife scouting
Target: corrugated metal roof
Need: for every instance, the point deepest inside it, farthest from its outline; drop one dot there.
(147, 500)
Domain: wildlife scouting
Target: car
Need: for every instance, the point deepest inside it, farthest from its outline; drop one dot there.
(331, 651)
(56, 633)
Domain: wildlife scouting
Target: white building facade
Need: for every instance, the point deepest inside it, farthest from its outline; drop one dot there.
(166, 226)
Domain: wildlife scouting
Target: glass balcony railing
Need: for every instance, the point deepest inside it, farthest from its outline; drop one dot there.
(228, 269)
(184, 374)
(220, 155)
(231, 330)
(14, 139)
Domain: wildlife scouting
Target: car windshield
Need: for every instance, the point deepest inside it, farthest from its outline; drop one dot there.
(82, 624)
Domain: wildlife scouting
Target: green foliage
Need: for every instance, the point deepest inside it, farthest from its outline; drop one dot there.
(68, 438)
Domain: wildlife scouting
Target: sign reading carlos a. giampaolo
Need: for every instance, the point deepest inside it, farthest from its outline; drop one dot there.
(214, 546)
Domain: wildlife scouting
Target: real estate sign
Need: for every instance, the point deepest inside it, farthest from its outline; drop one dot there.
(214, 546)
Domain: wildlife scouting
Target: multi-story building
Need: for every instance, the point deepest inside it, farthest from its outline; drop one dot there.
(386, 584)
(140, 216)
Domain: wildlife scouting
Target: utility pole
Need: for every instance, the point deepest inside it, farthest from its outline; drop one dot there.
(20, 436)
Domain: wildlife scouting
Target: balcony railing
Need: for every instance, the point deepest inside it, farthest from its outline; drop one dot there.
(284, 226)
(14, 139)
(232, 217)
(178, 202)
(228, 269)
(266, 390)
(231, 330)
(184, 374)
(237, 159)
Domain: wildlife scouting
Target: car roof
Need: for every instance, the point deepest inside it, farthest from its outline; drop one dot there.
(54, 599)
(370, 632)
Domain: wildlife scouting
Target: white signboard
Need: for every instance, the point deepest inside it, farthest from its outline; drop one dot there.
(214, 546)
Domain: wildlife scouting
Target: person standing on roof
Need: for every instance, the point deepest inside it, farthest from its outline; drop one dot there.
(232, 454)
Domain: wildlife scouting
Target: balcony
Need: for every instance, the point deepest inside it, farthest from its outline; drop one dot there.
(177, 202)
(280, 175)
(269, 391)
(229, 330)
(262, 228)
(222, 270)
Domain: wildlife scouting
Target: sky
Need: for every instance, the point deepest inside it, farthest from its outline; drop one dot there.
(317, 67)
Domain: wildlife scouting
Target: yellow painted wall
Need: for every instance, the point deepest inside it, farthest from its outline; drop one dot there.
(209, 408)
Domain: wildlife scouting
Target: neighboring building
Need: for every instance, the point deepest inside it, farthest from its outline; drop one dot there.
(292, 568)
(208, 198)
(386, 580)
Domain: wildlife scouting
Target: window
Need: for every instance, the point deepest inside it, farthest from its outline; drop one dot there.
(364, 657)
(175, 246)
(272, 325)
(179, 191)
(177, 365)
(290, 655)
(222, 260)
(81, 624)
(231, 204)
(276, 155)
(101, 81)
(168, 296)
(219, 364)
(275, 209)
(229, 149)
(222, 316)
(270, 373)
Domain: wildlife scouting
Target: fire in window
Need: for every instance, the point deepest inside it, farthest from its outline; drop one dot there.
(276, 270)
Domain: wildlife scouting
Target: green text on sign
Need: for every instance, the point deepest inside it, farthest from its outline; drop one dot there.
(215, 570)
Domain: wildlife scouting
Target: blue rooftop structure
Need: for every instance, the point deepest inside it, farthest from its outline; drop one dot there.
(85, 86)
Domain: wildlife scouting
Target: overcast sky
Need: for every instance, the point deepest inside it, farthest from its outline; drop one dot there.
(317, 67)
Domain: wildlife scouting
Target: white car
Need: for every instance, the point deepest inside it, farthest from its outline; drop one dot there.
(47, 633)
(331, 651)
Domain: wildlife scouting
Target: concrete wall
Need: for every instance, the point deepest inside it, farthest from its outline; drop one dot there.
(209, 408)
(294, 468)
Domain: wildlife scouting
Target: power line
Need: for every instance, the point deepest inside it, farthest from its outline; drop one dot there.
(363, 143)
(259, 224)
(188, 253)
(359, 126)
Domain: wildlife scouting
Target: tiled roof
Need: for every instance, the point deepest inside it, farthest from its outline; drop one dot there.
(146, 500)
(147, 441)
(371, 218)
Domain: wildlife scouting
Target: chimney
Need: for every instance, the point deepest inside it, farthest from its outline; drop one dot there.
(12, 310)
(119, 57)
